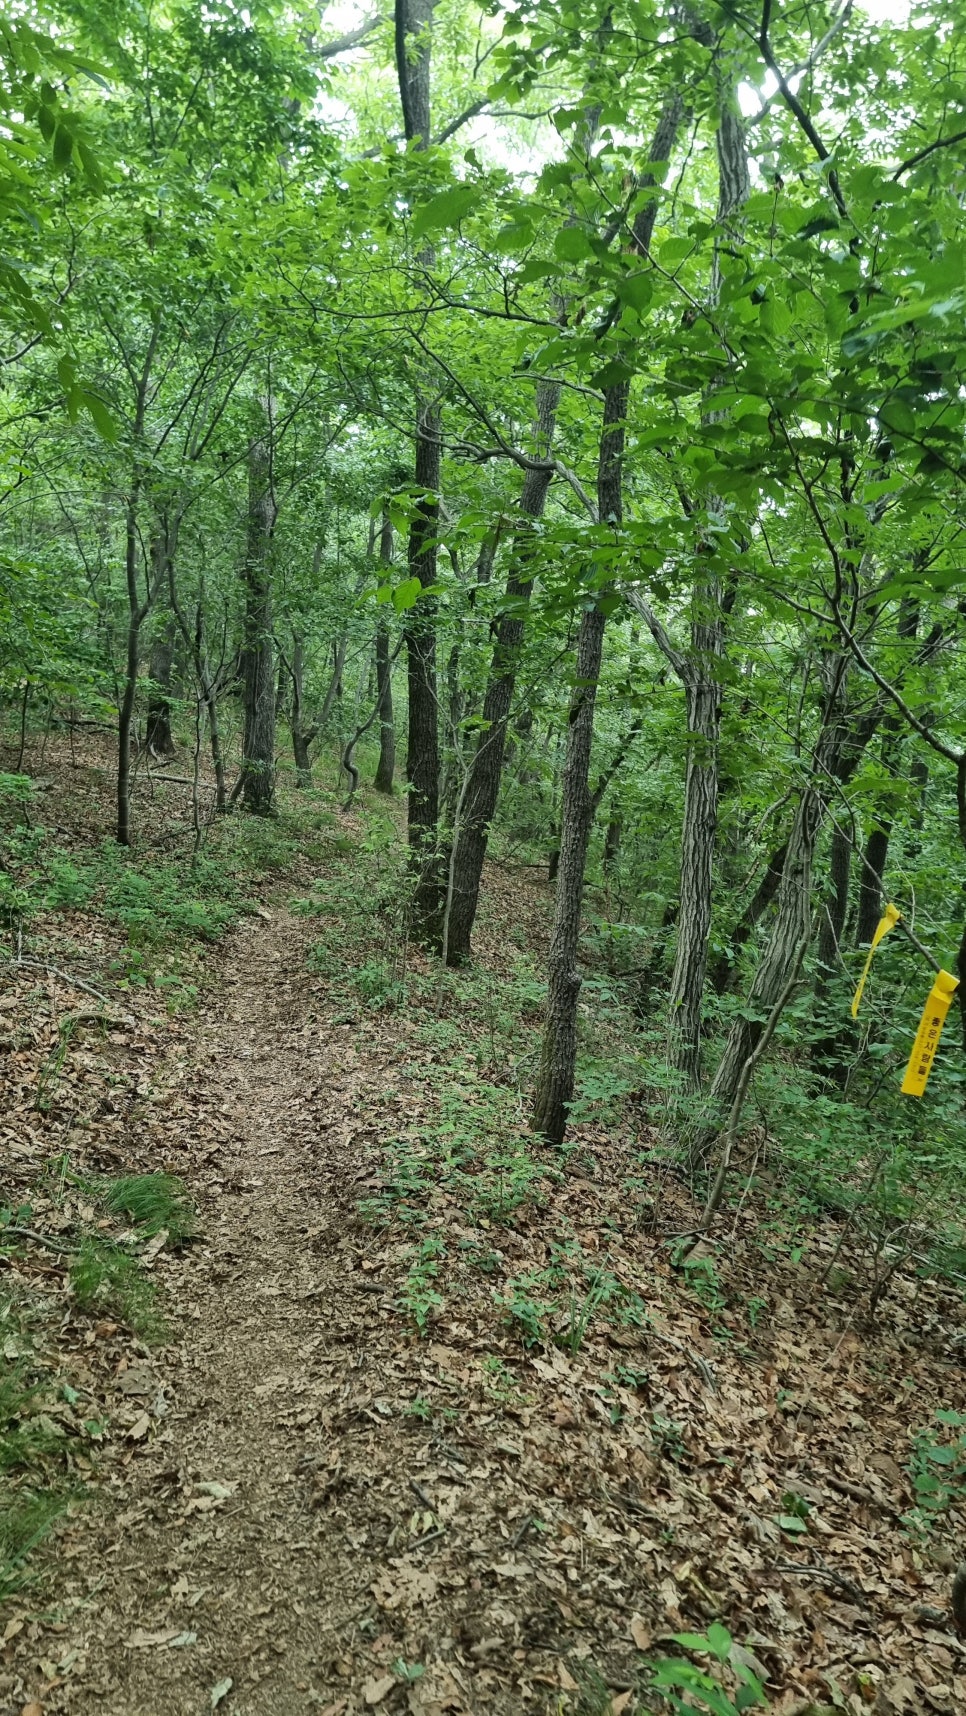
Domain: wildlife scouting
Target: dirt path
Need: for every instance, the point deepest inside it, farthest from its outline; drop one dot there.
(217, 1545)
(308, 1508)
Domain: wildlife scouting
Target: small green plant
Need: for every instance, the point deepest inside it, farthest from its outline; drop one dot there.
(701, 1275)
(49, 1076)
(420, 1296)
(704, 1689)
(793, 1518)
(377, 984)
(937, 1468)
(408, 1672)
(527, 1315)
(668, 1438)
(26, 1517)
(582, 1310)
(33, 1493)
(103, 1276)
(153, 1203)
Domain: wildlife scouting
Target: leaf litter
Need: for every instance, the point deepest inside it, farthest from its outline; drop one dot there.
(399, 1449)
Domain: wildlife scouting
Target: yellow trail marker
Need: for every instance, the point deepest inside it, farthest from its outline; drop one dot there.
(888, 921)
(929, 1032)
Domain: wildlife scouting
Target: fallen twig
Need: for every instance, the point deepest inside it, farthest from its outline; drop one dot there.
(74, 983)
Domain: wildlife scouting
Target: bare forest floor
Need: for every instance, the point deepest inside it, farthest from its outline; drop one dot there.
(433, 1424)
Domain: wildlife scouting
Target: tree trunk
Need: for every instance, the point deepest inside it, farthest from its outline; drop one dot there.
(413, 41)
(612, 843)
(302, 736)
(835, 909)
(870, 890)
(137, 611)
(788, 938)
(483, 787)
(752, 915)
(386, 766)
(258, 663)
(159, 738)
(702, 681)
(558, 1056)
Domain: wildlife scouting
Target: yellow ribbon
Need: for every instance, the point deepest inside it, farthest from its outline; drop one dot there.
(929, 1032)
(888, 921)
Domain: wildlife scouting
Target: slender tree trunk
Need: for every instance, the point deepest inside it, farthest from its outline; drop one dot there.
(870, 891)
(386, 766)
(724, 965)
(136, 613)
(612, 843)
(137, 610)
(413, 40)
(487, 767)
(835, 910)
(558, 1056)
(258, 663)
(158, 737)
(789, 933)
(702, 681)
(302, 735)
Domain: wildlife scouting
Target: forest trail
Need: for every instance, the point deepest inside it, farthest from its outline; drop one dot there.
(438, 1428)
(213, 1566)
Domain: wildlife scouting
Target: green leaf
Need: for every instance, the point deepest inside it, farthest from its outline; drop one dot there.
(445, 210)
(673, 251)
(572, 244)
(635, 290)
(63, 146)
(406, 595)
(99, 414)
(719, 1641)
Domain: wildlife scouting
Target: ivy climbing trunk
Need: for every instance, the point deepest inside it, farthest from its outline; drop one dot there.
(835, 756)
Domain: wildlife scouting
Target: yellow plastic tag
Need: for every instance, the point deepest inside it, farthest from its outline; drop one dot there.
(888, 921)
(929, 1032)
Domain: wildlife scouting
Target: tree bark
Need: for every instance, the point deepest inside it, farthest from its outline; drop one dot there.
(386, 766)
(702, 682)
(413, 41)
(558, 1057)
(722, 968)
(158, 736)
(258, 655)
(302, 735)
(870, 891)
(137, 610)
(835, 910)
(836, 754)
(483, 787)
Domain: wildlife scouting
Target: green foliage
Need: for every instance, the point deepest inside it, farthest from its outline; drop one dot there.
(705, 1688)
(153, 1203)
(421, 1299)
(937, 1468)
(104, 1277)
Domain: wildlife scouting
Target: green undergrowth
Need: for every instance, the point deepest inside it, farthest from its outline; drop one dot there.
(168, 909)
(50, 1429)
